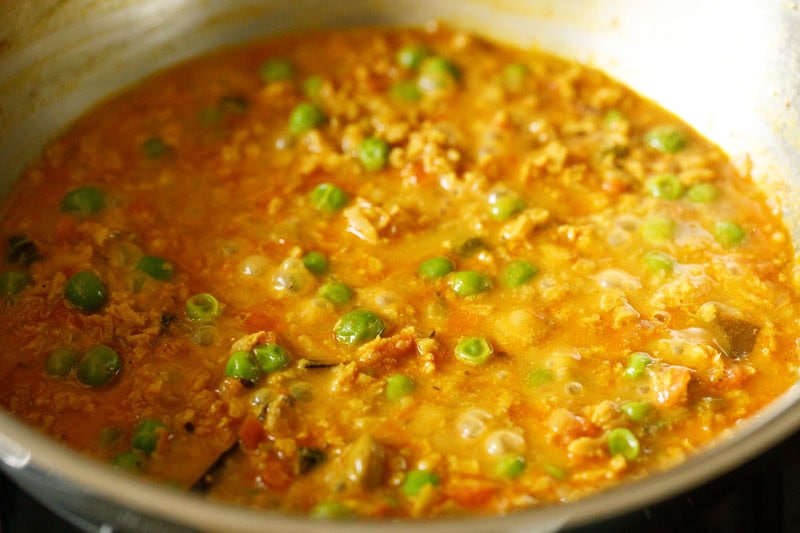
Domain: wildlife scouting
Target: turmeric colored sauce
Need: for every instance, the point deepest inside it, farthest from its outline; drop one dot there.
(390, 273)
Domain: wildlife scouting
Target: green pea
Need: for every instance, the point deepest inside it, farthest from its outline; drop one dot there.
(474, 350)
(539, 376)
(412, 56)
(336, 292)
(312, 86)
(99, 366)
(519, 272)
(373, 154)
(505, 206)
(636, 411)
(470, 247)
(146, 435)
(666, 186)
(510, 466)
(276, 69)
(637, 363)
(658, 228)
(612, 118)
(729, 234)
(271, 357)
(242, 365)
(156, 267)
(12, 282)
(658, 261)
(667, 139)
(702, 193)
(398, 386)
(416, 480)
(622, 441)
(358, 326)
(85, 291)
(305, 117)
(155, 148)
(514, 76)
(302, 391)
(315, 262)
(61, 361)
(110, 436)
(468, 283)
(437, 75)
(406, 91)
(203, 307)
(84, 201)
(555, 472)
(130, 461)
(331, 511)
(435, 267)
(328, 198)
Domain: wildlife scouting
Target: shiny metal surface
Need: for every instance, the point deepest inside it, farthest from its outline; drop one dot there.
(731, 69)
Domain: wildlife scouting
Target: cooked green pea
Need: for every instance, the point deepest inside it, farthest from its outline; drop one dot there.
(271, 357)
(315, 262)
(539, 376)
(505, 206)
(61, 361)
(435, 267)
(667, 139)
(276, 69)
(398, 386)
(312, 86)
(156, 267)
(406, 91)
(437, 75)
(146, 435)
(622, 441)
(373, 154)
(98, 366)
(468, 283)
(85, 291)
(519, 272)
(702, 193)
(305, 117)
(637, 362)
(358, 326)
(242, 365)
(636, 411)
(729, 234)
(556, 472)
(510, 466)
(203, 307)
(328, 198)
(666, 186)
(110, 436)
(331, 511)
(658, 261)
(416, 480)
(474, 350)
(130, 461)
(658, 228)
(412, 56)
(155, 148)
(612, 118)
(514, 76)
(336, 292)
(12, 282)
(302, 391)
(84, 201)
(470, 247)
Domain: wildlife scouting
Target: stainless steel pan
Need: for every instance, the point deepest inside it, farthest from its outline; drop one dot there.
(731, 69)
